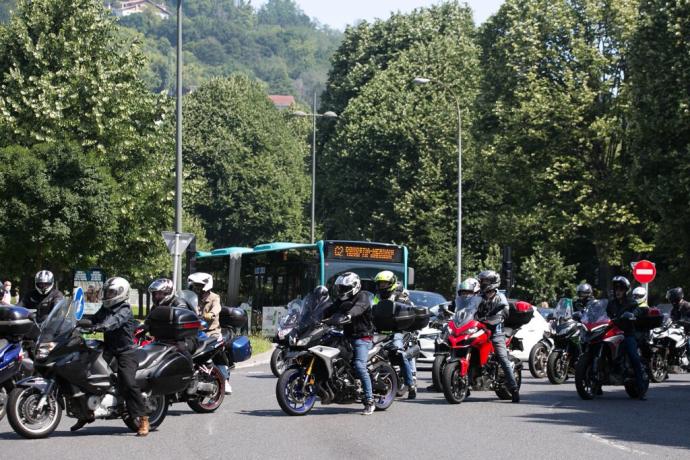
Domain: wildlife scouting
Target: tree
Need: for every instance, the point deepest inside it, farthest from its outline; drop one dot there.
(248, 164)
(544, 276)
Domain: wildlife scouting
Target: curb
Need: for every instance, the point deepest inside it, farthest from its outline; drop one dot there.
(258, 360)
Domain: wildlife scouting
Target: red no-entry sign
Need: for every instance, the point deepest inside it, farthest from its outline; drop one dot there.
(644, 271)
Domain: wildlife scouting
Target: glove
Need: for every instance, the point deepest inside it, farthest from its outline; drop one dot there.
(209, 316)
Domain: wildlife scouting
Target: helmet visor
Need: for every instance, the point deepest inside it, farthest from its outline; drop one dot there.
(383, 286)
(110, 293)
(43, 286)
(342, 290)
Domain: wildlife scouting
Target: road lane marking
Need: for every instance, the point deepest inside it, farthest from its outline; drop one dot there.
(613, 444)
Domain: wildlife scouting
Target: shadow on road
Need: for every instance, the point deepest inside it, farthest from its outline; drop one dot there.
(661, 420)
(86, 431)
(319, 410)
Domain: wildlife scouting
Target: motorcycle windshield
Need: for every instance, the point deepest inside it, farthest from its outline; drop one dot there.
(312, 311)
(60, 322)
(564, 309)
(596, 312)
(294, 308)
(466, 309)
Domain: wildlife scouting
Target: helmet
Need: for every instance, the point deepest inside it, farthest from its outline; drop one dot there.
(44, 281)
(584, 291)
(200, 282)
(489, 280)
(115, 291)
(347, 285)
(470, 285)
(386, 282)
(320, 293)
(161, 291)
(675, 295)
(640, 295)
(621, 281)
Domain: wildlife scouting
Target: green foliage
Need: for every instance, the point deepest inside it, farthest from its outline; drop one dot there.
(248, 164)
(544, 276)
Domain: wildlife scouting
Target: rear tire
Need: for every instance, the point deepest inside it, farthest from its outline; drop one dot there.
(159, 410)
(437, 371)
(20, 407)
(658, 368)
(503, 392)
(557, 367)
(278, 364)
(584, 380)
(454, 385)
(289, 392)
(383, 373)
(3, 402)
(538, 358)
(213, 402)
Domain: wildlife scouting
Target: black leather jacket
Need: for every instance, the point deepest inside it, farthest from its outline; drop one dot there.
(616, 308)
(359, 309)
(581, 305)
(681, 311)
(493, 311)
(42, 303)
(118, 326)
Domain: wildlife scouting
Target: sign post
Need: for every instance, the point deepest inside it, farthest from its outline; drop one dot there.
(644, 272)
(177, 243)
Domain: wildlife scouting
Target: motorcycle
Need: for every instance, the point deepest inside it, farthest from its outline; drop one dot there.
(441, 346)
(321, 366)
(73, 375)
(392, 354)
(15, 324)
(472, 363)
(285, 325)
(566, 350)
(666, 349)
(604, 360)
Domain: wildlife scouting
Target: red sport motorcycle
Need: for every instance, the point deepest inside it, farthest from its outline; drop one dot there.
(472, 364)
(604, 360)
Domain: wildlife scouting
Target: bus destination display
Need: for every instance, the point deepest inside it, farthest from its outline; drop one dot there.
(364, 252)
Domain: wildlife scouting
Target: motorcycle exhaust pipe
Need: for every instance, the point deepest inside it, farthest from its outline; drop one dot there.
(206, 388)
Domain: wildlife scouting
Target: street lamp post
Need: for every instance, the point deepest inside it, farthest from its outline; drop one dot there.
(177, 256)
(314, 115)
(424, 81)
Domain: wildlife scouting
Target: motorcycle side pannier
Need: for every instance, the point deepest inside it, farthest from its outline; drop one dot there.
(172, 375)
(15, 322)
(172, 323)
(651, 320)
(519, 314)
(241, 349)
(393, 316)
(421, 318)
(232, 317)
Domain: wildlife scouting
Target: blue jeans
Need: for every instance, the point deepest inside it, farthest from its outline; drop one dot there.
(630, 344)
(407, 366)
(361, 350)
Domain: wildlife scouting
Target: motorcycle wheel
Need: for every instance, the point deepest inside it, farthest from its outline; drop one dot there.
(158, 405)
(278, 363)
(289, 393)
(584, 381)
(502, 392)
(3, 402)
(454, 385)
(383, 374)
(538, 358)
(210, 403)
(557, 367)
(658, 368)
(437, 371)
(633, 391)
(21, 405)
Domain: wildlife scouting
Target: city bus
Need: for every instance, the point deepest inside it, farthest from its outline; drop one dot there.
(273, 274)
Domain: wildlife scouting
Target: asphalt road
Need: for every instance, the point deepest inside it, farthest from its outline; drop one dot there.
(551, 422)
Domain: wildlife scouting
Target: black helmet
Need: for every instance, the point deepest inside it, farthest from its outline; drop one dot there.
(621, 281)
(675, 295)
(489, 280)
(584, 291)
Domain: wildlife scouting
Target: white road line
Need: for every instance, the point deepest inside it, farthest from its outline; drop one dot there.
(615, 445)
(555, 405)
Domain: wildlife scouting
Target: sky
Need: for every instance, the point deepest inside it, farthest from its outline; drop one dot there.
(339, 13)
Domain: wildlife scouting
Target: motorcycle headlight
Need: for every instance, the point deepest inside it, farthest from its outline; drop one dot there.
(471, 330)
(303, 342)
(44, 349)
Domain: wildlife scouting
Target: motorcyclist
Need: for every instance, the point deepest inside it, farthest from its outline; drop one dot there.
(467, 288)
(209, 310)
(640, 297)
(388, 288)
(162, 293)
(619, 305)
(493, 311)
(116, 320)
(43, 297)
(680, 310)
(355, 305)
(584, 294)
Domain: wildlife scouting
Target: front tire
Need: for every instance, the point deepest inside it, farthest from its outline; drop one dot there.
(584, 377)
(503, 392)
(278, 363)
(3, 402)
(210, 403)
(557, 367)
(21, 413)
(291, 398)
(658, 368)
(437, 371)
(157, 408)
(454, 385)
(383, 375)
(538, 358)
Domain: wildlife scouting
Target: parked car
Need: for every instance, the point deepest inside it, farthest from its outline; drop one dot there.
(531, 333)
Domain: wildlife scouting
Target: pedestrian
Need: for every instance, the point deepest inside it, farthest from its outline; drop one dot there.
(6, 293)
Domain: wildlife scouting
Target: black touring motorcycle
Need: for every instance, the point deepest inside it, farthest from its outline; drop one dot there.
(320, 366)
(73, 375)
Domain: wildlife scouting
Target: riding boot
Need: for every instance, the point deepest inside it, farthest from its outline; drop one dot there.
(143, 426)
(80, 424)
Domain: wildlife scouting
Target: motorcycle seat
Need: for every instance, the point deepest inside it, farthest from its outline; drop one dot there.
(204, 346)
(378, 338)
(148, 354)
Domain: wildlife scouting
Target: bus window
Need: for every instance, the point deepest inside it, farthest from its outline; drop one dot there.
(365, 270)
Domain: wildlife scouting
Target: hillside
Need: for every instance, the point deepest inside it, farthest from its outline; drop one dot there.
(277, 43)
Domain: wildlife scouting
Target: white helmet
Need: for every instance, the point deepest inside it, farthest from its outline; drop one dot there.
(162, 291)
(44, 281)
(469, 285)
(347, 285)
(200, 278)
(639, 294)
(115, 291)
